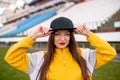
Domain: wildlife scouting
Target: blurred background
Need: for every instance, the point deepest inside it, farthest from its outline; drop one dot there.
(19, 17)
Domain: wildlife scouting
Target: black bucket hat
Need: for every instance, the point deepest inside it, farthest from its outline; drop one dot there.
(62, 23)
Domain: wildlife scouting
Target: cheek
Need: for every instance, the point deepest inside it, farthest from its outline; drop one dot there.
(55, 41)
(68, 40)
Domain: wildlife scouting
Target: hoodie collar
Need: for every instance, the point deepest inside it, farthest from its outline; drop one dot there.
(62, 51)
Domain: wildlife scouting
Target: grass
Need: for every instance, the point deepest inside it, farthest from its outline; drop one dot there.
(7, 72)
(109, 71)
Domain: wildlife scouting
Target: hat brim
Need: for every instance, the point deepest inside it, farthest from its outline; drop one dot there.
(72, 29)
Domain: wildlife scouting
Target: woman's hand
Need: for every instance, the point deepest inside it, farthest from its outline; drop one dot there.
(40, 32)
(83, 30)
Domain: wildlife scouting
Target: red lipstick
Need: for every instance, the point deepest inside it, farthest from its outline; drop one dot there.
(62, 43)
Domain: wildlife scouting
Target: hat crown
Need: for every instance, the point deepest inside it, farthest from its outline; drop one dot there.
(61, 23)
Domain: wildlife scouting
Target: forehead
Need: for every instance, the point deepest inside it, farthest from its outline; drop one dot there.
(62, 31)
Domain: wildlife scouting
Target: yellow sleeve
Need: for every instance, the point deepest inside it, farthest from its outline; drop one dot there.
(104, 51)
(16, 55)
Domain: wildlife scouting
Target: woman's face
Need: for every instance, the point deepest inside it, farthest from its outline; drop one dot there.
(62, 38)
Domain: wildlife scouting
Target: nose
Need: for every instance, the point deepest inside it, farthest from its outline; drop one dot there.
(62, 37)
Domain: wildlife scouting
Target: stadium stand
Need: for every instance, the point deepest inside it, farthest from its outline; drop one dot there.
(21, 8)
(30, 22)
(7, 29)
(90, 13)
(31, 2)
(46, 5)
(22, 11)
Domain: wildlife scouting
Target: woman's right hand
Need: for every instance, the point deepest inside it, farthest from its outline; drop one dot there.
(40, 32)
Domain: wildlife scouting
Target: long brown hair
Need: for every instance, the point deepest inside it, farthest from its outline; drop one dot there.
(50, 54)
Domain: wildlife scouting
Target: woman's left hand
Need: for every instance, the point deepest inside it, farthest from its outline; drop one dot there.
(83, 30)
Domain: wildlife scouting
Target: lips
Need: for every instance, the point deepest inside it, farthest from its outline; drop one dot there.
(62, 43)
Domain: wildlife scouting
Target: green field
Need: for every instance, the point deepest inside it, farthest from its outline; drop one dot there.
(7, 72)
(110, 71)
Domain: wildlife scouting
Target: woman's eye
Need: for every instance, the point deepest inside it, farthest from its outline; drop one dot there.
(67, 34)
(57, 34)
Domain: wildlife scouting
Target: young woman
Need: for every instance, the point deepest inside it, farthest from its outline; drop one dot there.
(63, 60)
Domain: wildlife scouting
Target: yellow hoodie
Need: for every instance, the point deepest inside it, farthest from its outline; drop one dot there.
(63, 66)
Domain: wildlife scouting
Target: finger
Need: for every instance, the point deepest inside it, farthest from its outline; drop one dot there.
(80, 29)
(75, 31)
(46, 34)
(46, 30)
(40, 34)
(49, 32)
(41, 29)
(84, 27)
(50, 29)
